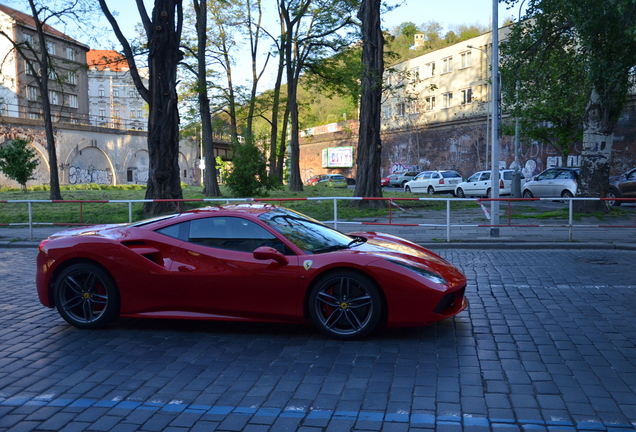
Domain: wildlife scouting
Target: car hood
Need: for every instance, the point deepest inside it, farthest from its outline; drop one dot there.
(110, 231)
(388, 247)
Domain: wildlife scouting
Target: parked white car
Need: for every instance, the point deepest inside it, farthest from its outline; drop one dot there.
(553, 183)
(479, 185)
(432, 182)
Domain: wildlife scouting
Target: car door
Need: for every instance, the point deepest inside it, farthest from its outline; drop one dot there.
(543, 186)
(420, 183)
(482, 185)
(628, 187)
(215, 271)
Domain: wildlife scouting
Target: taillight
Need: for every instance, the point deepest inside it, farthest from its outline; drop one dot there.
(501, 186)
(441, 181)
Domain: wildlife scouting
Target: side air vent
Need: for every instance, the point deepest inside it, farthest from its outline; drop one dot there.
(149, 252)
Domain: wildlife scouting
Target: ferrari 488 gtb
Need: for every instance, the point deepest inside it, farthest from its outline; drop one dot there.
(246, 262)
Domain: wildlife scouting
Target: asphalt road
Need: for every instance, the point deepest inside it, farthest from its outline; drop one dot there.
(547, 344)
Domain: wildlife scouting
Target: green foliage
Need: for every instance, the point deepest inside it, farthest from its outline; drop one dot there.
(18, 161)
(546, 87)
(248, 177)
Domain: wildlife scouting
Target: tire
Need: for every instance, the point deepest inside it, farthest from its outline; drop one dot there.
(407, 189)
(404, 183)
(460, 193)
(527, 194)
(86, 296)
(345, 305)
(430, 190)
(488, 193)
(614, 202)
(566, 194)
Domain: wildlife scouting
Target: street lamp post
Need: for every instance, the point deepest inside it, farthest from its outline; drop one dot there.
(494, 176)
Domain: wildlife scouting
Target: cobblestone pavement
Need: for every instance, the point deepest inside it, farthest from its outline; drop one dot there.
(547, 344)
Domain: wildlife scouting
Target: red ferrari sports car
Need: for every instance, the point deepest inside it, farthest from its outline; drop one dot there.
(246, 262)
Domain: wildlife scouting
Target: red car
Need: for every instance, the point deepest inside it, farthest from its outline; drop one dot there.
(245, 262)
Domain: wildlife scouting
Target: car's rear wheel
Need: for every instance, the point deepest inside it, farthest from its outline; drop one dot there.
(612, 195)
(407, 189)
(527, 194)
(430, 190)
(488, 193)
(86, 296)
(460, 193)
(345, 305)
(566, 194)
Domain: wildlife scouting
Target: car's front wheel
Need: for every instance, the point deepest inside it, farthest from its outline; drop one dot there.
(86, 296)
(430, 190)
(612, 195)
(566, 194)
(345, 305)
(527, 194)
(407, 189)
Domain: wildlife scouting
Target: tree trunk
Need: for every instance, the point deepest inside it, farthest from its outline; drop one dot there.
(210, 184)
(595, 156)
(369, 142)
(164, 180)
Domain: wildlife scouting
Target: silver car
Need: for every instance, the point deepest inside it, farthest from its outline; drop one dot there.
(432, 182)
(479, 184)
(552, 183)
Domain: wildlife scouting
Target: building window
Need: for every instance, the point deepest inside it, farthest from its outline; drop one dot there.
(52, 74)
(70, 54)
(447, 100)
(467, 96)
(100, 92)
(447, 65)
(129, 175)
(400, 109)
(387, 112)
(72, 77)
(116, 92)
(429, 70)
(131, 93)
(102, 112)
(34, 116)
(4, 109)
(27, 67)
(72, 101)
(50, 47)
(465, 59)
(27, 39)
(414, 107)
(140, 114)
(117, 114)
(429, 103)
(414, 74)
(32, 93)
(54, 98)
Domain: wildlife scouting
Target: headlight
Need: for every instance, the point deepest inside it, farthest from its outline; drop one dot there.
(430, 275)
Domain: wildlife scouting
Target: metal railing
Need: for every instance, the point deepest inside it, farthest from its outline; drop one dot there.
(393, 204)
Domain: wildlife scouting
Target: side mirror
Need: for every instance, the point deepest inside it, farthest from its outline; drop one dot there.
(269, 253)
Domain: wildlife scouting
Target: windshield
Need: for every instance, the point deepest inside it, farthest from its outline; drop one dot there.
(308, 234)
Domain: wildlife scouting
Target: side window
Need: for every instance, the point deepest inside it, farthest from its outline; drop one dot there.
(232, 233)
(565, 175)
(485, 176)
(178, 231)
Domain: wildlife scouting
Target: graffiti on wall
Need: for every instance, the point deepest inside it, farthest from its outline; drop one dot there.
(142, 175)
(78, 175)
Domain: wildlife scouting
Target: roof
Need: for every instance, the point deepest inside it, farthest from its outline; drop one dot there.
(28, 21)
(107, 59)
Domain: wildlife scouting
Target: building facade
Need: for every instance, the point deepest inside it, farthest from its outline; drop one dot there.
(67, 75)
(113, 98)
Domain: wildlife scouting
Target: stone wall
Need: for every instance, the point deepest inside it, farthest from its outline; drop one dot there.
(93, 155)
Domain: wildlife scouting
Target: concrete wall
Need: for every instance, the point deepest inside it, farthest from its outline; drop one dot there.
(93, 155)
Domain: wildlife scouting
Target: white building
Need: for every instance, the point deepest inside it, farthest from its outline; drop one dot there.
(67, 81)
(113, 98)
